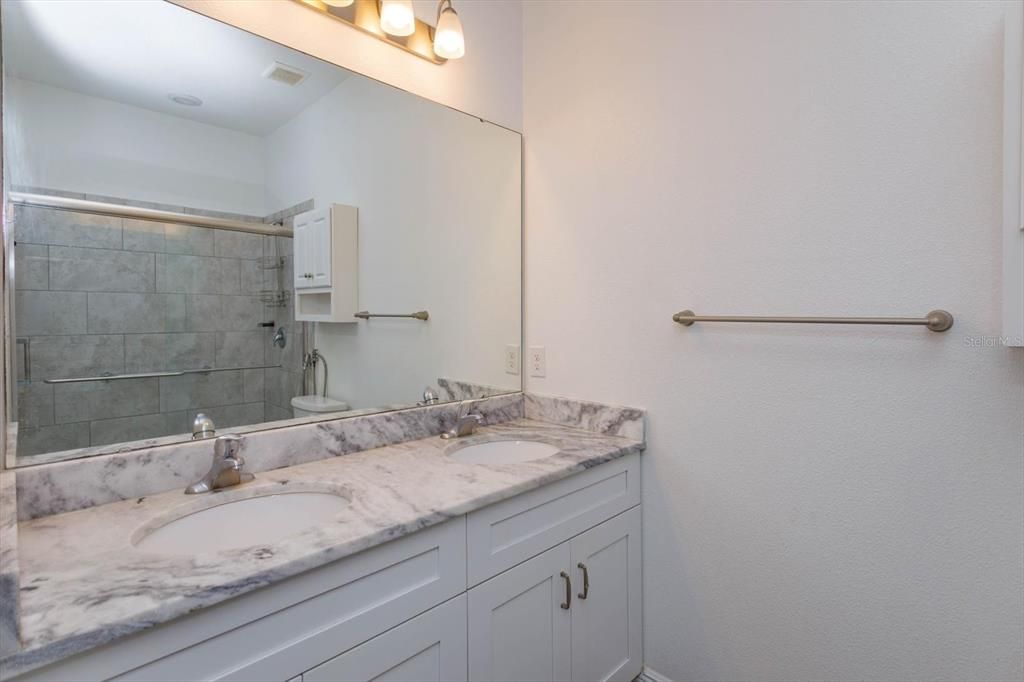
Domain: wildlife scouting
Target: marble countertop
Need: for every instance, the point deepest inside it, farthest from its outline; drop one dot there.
(70, 604)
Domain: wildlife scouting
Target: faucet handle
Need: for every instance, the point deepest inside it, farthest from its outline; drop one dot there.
(228, 446)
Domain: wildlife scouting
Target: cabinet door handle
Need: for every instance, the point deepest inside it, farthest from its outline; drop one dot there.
(568, 591)
(586, 580)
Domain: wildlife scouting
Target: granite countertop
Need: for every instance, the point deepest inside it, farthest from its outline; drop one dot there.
(69, 605)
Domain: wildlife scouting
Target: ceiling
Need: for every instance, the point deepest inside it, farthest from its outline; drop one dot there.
(139, 53)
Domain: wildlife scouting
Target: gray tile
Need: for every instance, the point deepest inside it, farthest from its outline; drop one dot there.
(142, 427)
(35, 189)
(35, 404)
(165, 352)
(65, 357)
(143, 235)
(105, 399)
(253, 383)
(228, 416)
(177, 313)
(196, 390)
(252, 277)
(273, 413)
(203, 313)
(196, 274)
(53, 438)
(188, 240)
(241, 313)
(49, 312)
(66, 228)
(75, 269)
(280, 387)
(31, 267)
(231, 244)
(130, 313)
(241, 349)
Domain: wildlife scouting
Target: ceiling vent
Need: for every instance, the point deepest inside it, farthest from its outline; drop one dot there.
(282, 73)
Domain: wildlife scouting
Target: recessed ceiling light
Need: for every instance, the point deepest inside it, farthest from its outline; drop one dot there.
(185, 100)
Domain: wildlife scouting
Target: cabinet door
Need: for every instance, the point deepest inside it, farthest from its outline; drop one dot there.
(518, 630)
(606, 611)
(301, 251)
(320, 242)
(429, 648)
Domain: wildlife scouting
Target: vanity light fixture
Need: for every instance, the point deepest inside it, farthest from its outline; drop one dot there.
(449, 42)
(395, 23)
(397, 17)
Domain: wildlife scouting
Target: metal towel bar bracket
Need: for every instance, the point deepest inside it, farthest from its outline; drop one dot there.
(418, 315)
(936, 320)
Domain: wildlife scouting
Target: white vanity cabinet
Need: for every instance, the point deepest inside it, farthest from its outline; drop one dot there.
(429, 648)
(326, 263)
(541, 586)
(574, 612)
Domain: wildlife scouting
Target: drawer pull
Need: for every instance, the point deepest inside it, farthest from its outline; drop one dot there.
(568, 591)
(586, 580)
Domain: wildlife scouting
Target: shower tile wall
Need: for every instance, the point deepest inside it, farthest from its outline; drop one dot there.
(98, 294)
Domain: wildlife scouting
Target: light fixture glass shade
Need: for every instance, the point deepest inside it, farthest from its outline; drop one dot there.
(397, 17)
(338, 3)
(449, 42)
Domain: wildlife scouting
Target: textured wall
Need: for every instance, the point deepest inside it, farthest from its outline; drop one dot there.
(820, 502)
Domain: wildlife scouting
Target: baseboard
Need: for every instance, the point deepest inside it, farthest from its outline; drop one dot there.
(651, 675)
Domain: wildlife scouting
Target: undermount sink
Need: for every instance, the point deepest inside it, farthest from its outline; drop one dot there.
(504, 452)
(242, 523)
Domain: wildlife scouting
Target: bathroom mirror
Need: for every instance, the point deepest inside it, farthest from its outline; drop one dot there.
(197, 223)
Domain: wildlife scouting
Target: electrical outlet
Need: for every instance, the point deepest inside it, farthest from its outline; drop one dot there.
(511, 359)
(538, 362)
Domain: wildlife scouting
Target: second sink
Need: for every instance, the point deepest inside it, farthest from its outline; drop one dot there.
(503, 452)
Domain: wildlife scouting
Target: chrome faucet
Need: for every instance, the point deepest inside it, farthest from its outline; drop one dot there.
(466, 421)
(226, 470)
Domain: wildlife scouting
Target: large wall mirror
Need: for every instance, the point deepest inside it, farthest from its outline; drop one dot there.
(197, 215)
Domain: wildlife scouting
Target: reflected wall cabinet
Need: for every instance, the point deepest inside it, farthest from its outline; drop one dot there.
(326, 261)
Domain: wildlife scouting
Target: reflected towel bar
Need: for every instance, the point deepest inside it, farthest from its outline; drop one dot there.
(936, 320)
(155, 375)
(419, 315)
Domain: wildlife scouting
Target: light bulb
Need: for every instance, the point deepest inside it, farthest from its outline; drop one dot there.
(449, 42)
(338, 3)
(397, 17)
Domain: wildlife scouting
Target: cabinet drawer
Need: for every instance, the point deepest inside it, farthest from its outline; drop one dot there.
(279, 631)
(429, 648)
(507, 533)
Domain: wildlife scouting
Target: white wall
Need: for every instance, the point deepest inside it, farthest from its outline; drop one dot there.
(438, 194)
(820, 502)
(97, 146)
(487, 82)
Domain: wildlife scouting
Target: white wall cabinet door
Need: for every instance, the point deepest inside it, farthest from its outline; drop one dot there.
(320, 241)
(518, 630)
(301, 251)
(606, 611)
(429, 648)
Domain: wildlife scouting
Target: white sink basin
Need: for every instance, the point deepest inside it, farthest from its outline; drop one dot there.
(242, 523)
(504, 452)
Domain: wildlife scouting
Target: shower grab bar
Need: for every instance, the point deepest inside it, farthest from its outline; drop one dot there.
(936, 320)
(155, 375)
(418, 315)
